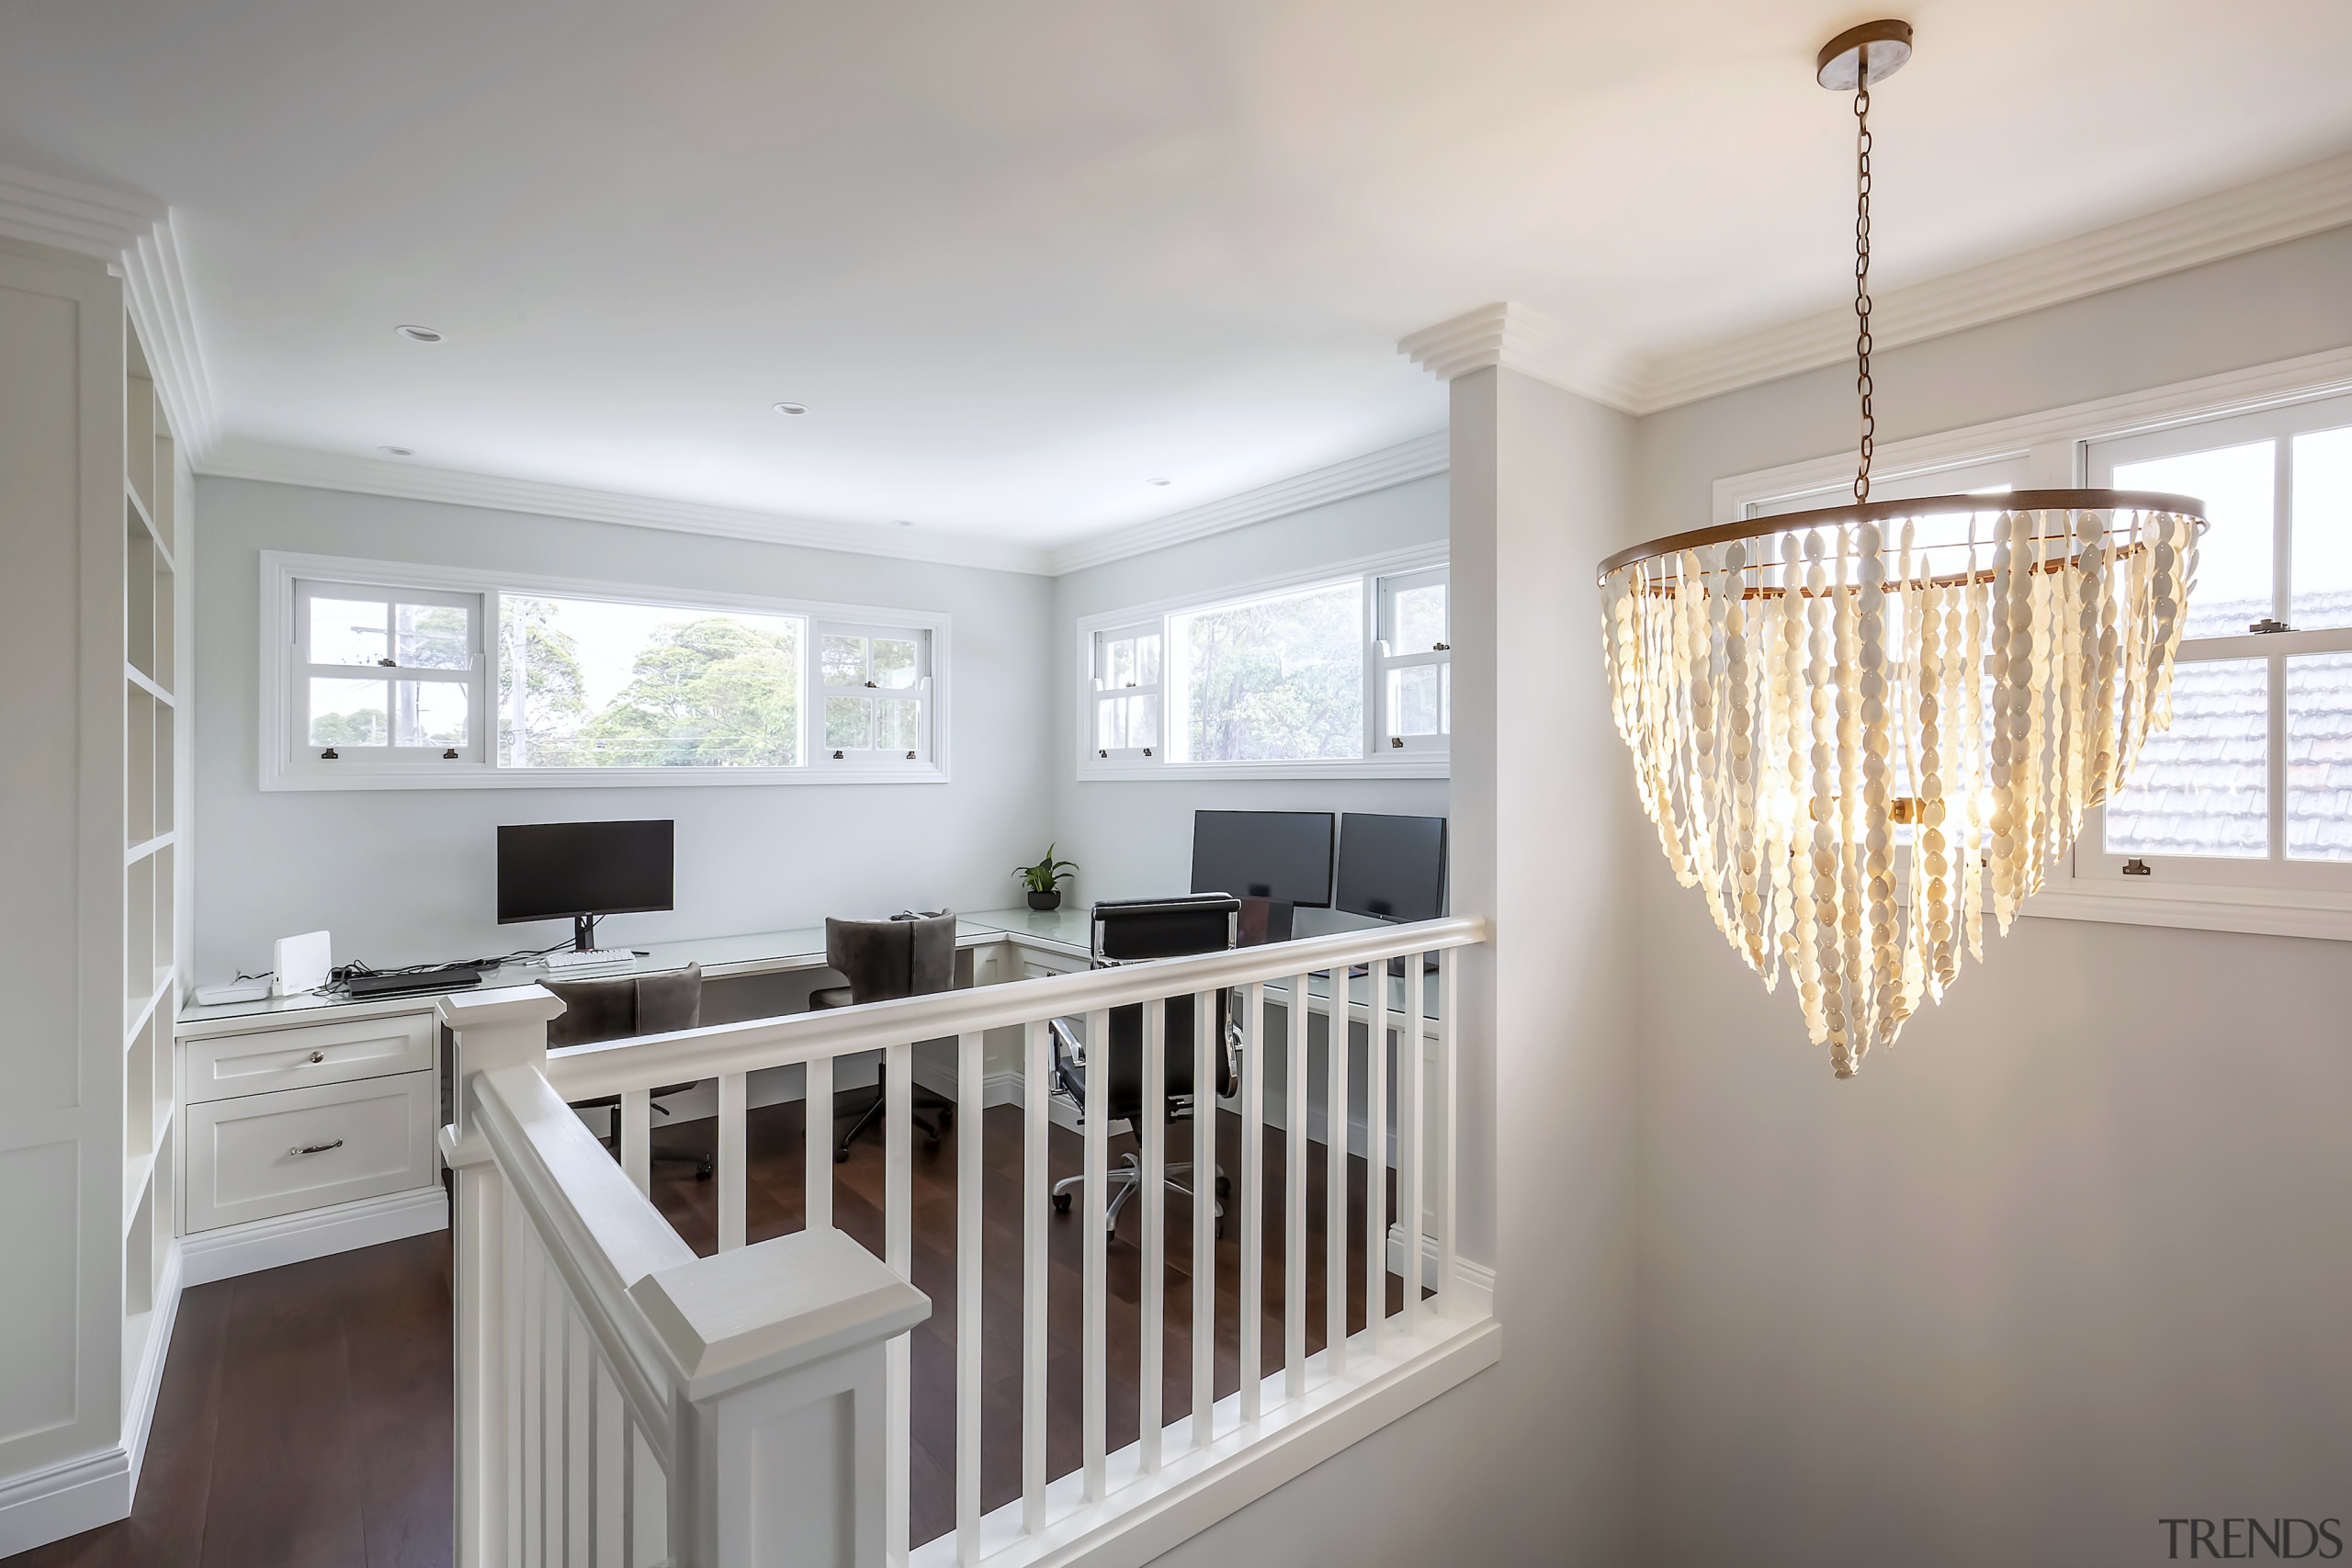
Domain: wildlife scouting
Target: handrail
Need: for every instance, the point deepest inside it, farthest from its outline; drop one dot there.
(585, 1072)
(601, 1231)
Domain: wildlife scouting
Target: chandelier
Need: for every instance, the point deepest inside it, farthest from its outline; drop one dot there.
(1861, 729)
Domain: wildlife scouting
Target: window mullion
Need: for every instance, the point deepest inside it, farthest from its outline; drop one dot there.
(2277, 758)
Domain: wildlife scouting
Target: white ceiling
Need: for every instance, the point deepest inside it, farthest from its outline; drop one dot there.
(1020, 258)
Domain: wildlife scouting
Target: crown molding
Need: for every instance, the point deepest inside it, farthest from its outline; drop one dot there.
(2245, 217)
(1417, 458)
(140, 242)
(411, 481)
(1513, 335)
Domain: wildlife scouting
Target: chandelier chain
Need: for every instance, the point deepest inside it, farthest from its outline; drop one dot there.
(1862, 276)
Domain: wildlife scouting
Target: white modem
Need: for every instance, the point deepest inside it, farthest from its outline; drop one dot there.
(303, 964)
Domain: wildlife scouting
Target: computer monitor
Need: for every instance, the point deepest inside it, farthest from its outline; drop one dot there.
(1281, 855)
(580, 871)
(1392, 866)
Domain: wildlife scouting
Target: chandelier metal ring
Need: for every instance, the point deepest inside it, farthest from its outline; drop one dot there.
(1928, 506)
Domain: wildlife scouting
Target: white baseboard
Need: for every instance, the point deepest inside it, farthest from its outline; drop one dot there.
(96, 1489)
(1477, 1281)
(65, 1499)
(226, 1253)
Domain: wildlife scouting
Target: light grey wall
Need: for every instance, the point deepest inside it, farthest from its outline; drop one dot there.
(2074, 1257)
(1134, 839)
(1529, 1462)
(403, 876)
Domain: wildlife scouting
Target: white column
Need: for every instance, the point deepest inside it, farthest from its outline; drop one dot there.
(507, 1027)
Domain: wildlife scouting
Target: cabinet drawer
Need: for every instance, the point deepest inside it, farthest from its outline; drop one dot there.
(271, 1059)
(245, 1159)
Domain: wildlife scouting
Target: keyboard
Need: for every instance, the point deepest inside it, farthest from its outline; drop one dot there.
(595, 958)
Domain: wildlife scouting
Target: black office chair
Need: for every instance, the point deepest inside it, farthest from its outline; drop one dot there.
(1129, 931)
(620, 1008)
(905, 955)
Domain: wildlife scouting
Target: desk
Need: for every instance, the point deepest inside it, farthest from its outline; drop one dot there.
(360, 1082)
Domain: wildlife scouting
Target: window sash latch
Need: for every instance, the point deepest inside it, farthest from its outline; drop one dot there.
(2136, 866)
(2267, 625)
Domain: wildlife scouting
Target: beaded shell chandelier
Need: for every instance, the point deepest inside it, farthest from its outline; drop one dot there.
(1859, 731)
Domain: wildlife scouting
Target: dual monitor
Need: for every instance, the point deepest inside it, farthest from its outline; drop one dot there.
(1393, 867)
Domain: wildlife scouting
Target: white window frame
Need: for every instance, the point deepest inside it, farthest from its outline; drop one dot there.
(1375, 759)
(303, 753)
(284, 765)
(2093, 865)
(2055, 449)
(1104, 692)
(1388, 658)
(871, 756)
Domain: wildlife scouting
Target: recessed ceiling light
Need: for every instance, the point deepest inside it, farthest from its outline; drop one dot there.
(792, 408)
(1156, 481)
(418, 335)
(397, 451)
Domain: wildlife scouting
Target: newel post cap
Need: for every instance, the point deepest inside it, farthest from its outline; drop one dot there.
(462, 1010)
(754, 1311)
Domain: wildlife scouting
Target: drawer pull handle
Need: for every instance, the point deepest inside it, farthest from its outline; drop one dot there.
(318, 1056)
(315, 1148)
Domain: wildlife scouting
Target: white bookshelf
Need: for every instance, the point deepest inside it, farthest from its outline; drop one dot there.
(94, 608)
(152, 957)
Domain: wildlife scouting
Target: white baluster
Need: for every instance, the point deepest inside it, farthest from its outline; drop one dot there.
(1409, 1139)
(1036, 1198)
(968, 1290)
(1301, 1014)
(1376, 1165)
(1094, 1307)
(1207, 1049)
(732, 1101)
(1253, 1188)
(611, 1417)
(578, 1442)
(1335, 1175)
(530, 1274)
(817, 1182)
(1449, 1299)
(899, 1254)
(553, 1347)
(1153, 1199)
(635, 1112)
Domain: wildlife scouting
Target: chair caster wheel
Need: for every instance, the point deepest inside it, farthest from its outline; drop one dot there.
(1061, 1203)
(841, 1157)
(702, 1173)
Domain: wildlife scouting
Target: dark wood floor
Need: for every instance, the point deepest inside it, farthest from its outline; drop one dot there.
(303, 1420)
(304, 1417)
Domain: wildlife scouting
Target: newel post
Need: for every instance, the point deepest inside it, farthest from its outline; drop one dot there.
(493, 1029)
(780, 1454)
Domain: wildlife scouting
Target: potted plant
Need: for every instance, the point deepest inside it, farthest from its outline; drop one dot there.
(1044, 879)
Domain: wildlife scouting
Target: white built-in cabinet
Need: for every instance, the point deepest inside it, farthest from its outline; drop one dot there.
(94, 856)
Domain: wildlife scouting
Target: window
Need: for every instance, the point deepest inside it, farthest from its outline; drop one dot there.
(1127, 690)
(397, 676)
(603, 683)
(1416, 661)
(387, 673)
(1346, 669)
(875, 682)
(2252, 784)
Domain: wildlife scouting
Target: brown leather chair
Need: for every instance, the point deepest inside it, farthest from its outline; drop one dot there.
(621, 1007)
(907, 955)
